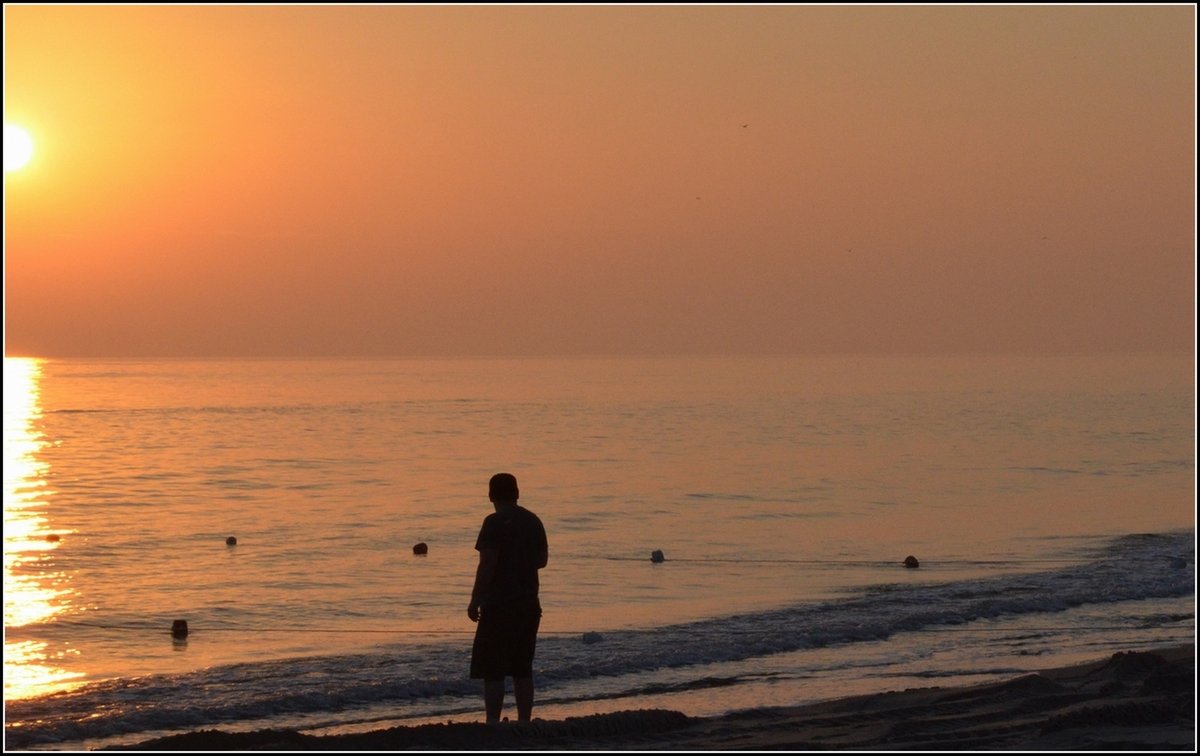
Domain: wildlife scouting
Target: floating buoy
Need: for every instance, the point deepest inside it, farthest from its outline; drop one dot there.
(911, 562)
(231, 541)
(179, 629)
(657, 557)
(421, 548)
(590, 638)
(52, 538)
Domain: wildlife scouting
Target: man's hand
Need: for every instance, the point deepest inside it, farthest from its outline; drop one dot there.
(488, 559)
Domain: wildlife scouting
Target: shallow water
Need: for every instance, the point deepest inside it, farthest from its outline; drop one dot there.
(785, 493)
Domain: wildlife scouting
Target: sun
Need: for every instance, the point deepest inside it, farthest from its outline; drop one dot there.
(18, 147)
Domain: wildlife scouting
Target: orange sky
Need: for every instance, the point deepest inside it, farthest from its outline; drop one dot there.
(391, 180)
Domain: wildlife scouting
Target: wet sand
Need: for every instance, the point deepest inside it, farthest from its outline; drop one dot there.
(1141, 700)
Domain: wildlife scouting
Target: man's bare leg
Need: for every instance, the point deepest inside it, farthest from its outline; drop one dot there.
(523, 692)
(493, 699)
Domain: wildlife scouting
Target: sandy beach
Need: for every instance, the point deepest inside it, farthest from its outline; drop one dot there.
(1137, 700)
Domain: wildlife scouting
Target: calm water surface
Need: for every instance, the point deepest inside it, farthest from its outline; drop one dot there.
(769, 483)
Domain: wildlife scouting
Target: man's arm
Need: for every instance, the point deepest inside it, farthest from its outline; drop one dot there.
(544, 551)
(488, 559)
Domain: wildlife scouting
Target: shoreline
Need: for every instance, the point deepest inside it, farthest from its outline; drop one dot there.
(1133, 700)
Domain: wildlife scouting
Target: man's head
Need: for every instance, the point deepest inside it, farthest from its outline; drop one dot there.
(502, 489)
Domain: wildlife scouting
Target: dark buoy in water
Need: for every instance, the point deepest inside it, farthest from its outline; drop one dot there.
(590, 638)
(52, 538)
(179, 629)
(231, 541)
(911, 562)
(421, 549)
(657, 557)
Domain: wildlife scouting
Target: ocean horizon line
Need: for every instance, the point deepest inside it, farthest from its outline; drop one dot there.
(468, 356)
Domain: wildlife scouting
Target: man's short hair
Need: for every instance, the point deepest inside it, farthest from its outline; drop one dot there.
(503, 487)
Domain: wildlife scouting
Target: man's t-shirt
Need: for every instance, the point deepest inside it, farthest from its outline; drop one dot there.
(521, 540)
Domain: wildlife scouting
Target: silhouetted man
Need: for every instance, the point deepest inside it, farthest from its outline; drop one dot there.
(512, 548)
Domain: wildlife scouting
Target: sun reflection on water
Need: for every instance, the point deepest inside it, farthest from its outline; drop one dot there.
(32, 592)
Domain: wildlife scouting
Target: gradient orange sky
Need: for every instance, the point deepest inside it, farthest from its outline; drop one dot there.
(510, 180)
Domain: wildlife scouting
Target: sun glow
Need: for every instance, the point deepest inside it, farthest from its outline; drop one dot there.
(18, 147)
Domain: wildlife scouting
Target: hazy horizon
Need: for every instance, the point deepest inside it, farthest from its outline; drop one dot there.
(662, 354)
(526, 181)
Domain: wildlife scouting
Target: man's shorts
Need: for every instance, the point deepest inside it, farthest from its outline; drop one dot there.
(504, 640)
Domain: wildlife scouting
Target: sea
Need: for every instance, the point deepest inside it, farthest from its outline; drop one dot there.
(274, 505)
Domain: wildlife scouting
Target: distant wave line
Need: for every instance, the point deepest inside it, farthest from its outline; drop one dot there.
(857, 562)
(723, 631)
